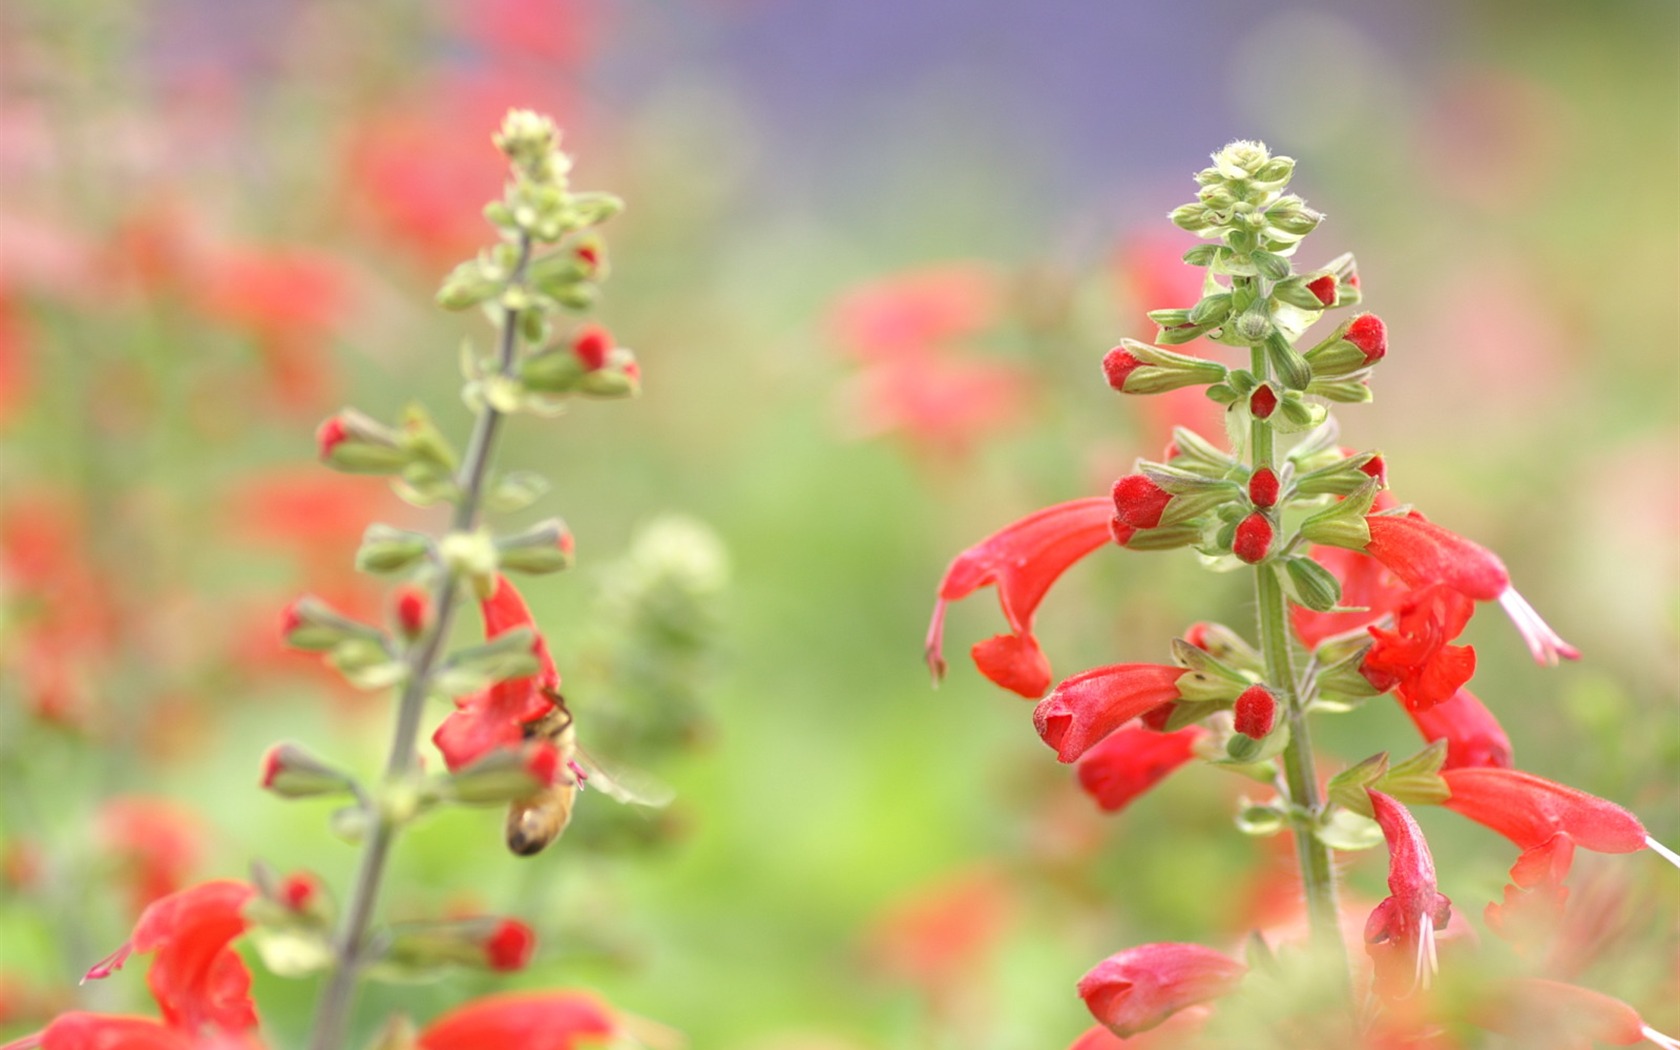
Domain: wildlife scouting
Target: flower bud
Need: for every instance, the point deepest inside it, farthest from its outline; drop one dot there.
(1263, 488)
(1253, 538)
(505, 774)
(1375, 467)
(387, 550)
(1315, 587)
(290, 771)
(1293, 371)
(1343, 524)
(1139, 502)
(1138, 368)
(357, 444)
(545, 547)
(1263, 401)
(423, 949)
(1323, 289)
(470, 283)
(1255, 711)
(299, 891)
(1192, 217)
(309, 623)
(471, 555)
(1118, 365)
(1370, 335)
(591, 345)
(619, 376)
(413, 610)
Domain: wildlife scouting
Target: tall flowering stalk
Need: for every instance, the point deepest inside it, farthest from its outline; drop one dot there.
(1356, 596)
(509, 739)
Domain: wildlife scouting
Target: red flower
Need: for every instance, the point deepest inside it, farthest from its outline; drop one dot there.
(1414, 659)
(1139, 988)
(1023, 560)
(1569, 1016)
(1092, 704)
(1474, 737)
(199, 982)
(527, 1020)
(1131, 760)
(913, 313)
(1421, 552)
(1015, 662)
(1400, 934)
(938, 938)
(495, 718)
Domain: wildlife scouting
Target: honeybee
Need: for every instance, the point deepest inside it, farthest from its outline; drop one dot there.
(536, 821)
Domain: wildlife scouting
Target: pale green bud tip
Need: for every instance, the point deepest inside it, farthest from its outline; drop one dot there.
(1241, 159)
(292, 772)
(526, 136)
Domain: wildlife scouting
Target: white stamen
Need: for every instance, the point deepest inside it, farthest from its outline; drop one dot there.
(1544, 644)
(1662, 850)
(1428, 963)
(1667, 1042)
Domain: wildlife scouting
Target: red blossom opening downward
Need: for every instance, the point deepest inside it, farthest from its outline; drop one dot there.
(1141, 987)
(495, 718)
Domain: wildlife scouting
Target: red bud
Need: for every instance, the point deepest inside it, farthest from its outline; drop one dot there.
(591, 346)
(1140, 502)
(1253, 539)
(1324, 288)
(329, 435)
(1263, 402)
(1118, 364)
(1255, 712)
(1263, 487)
(1370, 335)
(413, 610)
(510, 946)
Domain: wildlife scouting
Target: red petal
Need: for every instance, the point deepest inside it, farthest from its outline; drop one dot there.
(1474, 737)
(1421, 552)
(528, 1020)
(1023, 559)
(85, 1031)
(1137, 989)
(1131, 760)
(197, 979)
(1014, 662)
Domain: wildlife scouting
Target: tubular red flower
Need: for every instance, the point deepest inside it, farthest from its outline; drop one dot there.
(1530, 810)
(1090, 705)
(1474, 737)
(1131, 760)
(1253, 539)
(1414, 658)
(1023, 560)
(1139, 502)
(1400, 934)
(1139, 988)
(495, 718)
(528, 1020)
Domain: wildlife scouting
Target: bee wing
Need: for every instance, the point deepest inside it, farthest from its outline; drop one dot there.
(623, 785)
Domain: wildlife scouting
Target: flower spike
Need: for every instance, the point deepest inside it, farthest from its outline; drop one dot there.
(1023, 560)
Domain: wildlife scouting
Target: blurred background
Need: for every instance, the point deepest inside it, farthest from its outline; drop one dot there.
(873, 254)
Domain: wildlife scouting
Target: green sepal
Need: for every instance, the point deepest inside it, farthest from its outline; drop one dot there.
(1210, 687)
(1202, 254)
(509, 655)
(292, 950)
(1245, 750)
(1165, 538)
(386, 550)
(593, 207)
(1342, 524)
(1189, 712)
(1193, 658)
(1294, 415)
(544, 547)
(1351, 390)
(1199, 450)
(367, 663)
(471, 283)
(1417, 781)
(1311, 584)
(515, 491)
(1261, 820)
(1192, 217)
(1342, 478)
(1211, 309)
(1292, 371)
(1270, 265)
(1347, 788)
(1345, 830)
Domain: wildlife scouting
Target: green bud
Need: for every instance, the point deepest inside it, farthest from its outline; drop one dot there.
(291, 771)
(1199, 451)
(619, 377)
(1192, 217)
(1270, 265)
(1261, 820)
(350, 823)
(311, 624)
(1241, 159)
(594, 207)
(1275, 173)
(1312, 584)
(1292, 371)
(1212, 309)
(367, 663)
(469, 284)
(1417, 781)
(1294, 415)
(1254, 325)
(555, 370)
(1202, 254)
(1291, 217)
(387, 550)
(1341, 478)
(544, 547)
(357, 444)
(423, 442)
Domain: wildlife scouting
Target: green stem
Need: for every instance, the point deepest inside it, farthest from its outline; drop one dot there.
(332, 1016)
(1318, 877)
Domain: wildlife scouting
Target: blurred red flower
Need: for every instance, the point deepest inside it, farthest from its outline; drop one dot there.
(156, 843)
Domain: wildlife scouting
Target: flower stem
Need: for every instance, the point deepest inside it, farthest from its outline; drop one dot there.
(332, 1015)
(1318, 878)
